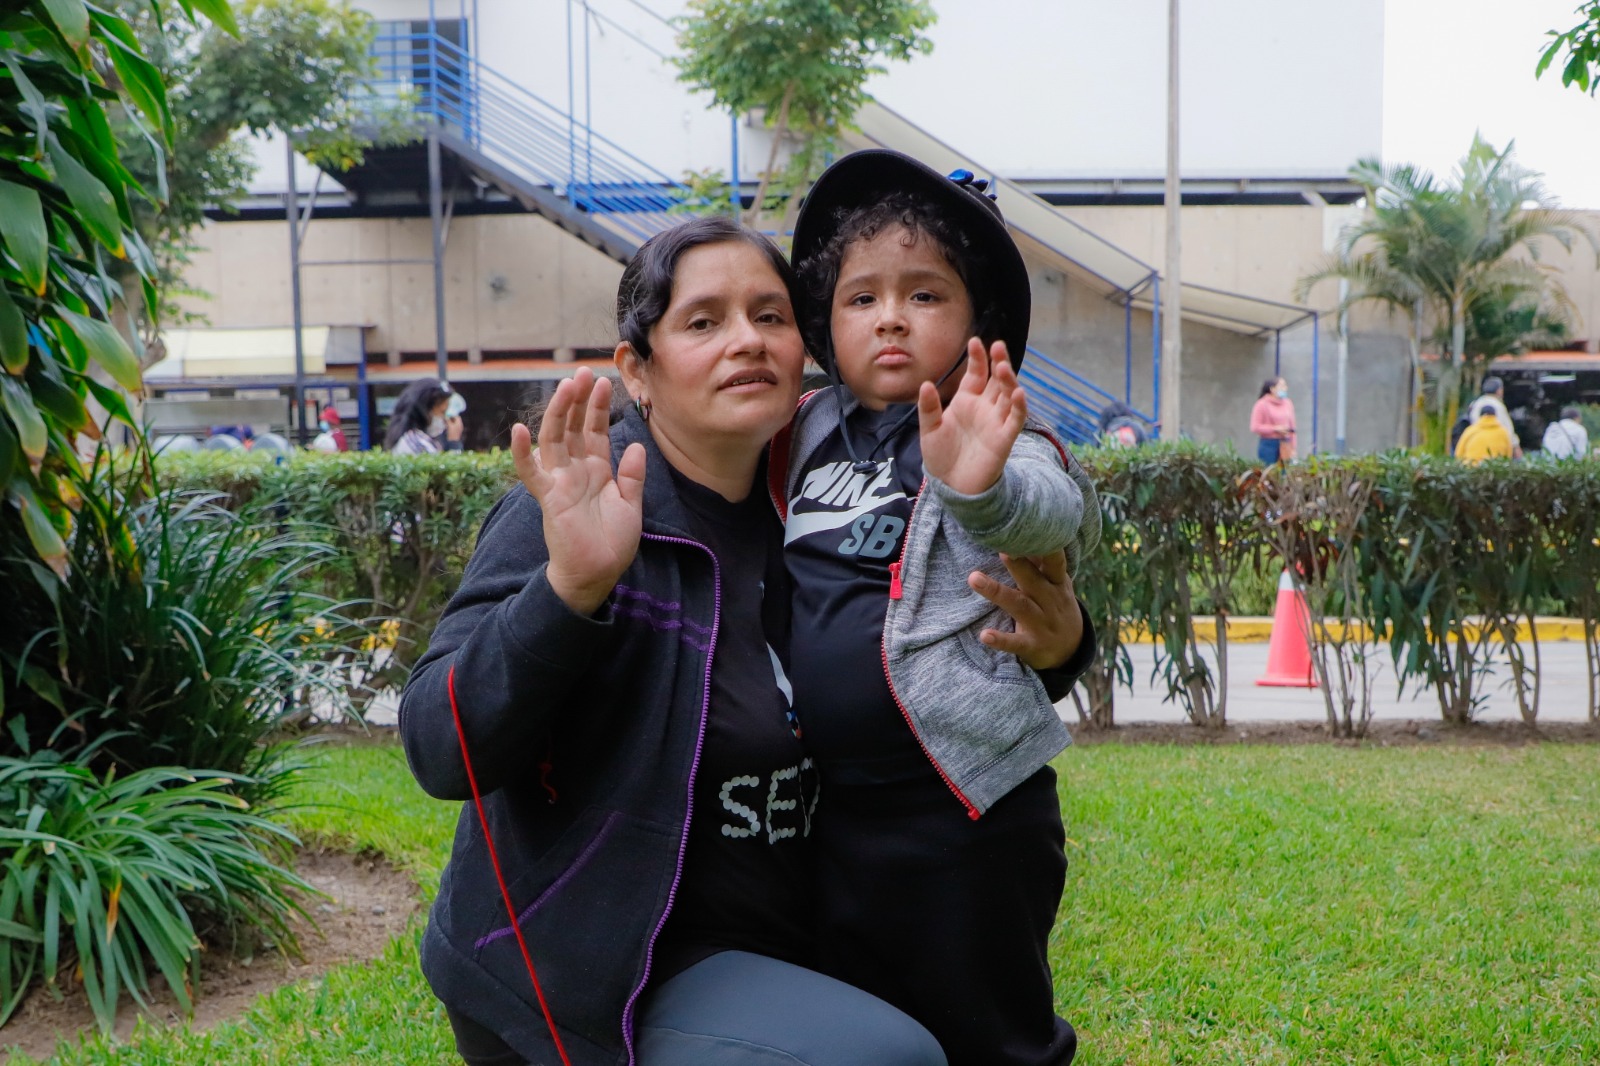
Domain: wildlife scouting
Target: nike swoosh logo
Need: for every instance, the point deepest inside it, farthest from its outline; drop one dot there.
(803, 525)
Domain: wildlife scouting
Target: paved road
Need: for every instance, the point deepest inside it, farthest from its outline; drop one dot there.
(1563, 697)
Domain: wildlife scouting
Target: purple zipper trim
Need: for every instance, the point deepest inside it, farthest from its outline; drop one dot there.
(666, 624)
(567, 875)
(664, 606)
(694, 769)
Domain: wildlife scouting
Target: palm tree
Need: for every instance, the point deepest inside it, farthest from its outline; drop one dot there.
(1437, 251)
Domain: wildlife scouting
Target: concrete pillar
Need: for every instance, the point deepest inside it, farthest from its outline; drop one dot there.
(566, 355)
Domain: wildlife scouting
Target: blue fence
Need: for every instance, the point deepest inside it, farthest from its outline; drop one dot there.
(1065, 399)
(522, 133)
(537, 142)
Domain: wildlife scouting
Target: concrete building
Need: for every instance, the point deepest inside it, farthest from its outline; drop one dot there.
(1074, 117)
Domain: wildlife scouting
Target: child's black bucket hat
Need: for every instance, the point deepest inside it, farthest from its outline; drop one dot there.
(867, 176)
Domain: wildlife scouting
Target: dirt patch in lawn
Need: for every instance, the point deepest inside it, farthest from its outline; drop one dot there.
(369, 902)
(1386, 733)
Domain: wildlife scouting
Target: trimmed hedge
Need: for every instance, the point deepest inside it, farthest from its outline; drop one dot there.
(1448, 558)
(400, 529)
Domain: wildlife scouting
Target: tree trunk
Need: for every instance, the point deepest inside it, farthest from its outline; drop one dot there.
(1451, 383)
(779, 129)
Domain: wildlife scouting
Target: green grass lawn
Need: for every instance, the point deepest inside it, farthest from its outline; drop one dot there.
(1261, 905)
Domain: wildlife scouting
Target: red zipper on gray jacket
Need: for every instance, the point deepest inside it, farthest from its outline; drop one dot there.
(694, 768)
(896, 569)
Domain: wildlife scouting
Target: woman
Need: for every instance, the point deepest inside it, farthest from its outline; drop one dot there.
(419, 418)
(1272, 420)
(613, 666)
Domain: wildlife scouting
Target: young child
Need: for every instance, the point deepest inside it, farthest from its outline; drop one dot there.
(939, 835)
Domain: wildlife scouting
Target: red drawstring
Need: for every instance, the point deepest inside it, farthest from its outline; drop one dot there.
(494, 858)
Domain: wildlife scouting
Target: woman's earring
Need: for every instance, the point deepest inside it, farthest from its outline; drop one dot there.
(643, 408)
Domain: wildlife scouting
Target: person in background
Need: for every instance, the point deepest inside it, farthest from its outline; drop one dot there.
(1272, 419)
(419, 420)
(331, 438)
(1566, 438)
(1486, 438)
(1494, 399)
(1122, 427)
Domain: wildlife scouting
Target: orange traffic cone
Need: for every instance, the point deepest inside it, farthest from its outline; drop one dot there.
(1289, 654)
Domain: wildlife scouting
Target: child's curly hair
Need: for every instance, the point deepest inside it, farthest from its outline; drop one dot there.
(819, 273)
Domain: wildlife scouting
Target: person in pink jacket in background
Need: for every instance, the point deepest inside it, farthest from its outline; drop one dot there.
(1272, 419)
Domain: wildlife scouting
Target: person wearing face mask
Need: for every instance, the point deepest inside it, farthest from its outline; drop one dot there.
(1272, 419)
(419, 419)
(330, 438)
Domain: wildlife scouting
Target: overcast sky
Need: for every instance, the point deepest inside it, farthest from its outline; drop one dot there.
(1452, 66)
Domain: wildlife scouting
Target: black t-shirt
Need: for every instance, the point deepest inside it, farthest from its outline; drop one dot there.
(747, 866)
(845, 530)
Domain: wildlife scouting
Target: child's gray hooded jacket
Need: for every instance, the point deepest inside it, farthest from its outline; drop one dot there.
(983, 718)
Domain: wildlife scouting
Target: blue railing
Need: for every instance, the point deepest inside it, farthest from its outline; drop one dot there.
(526, 135)
(537, 142)
(1064, 398)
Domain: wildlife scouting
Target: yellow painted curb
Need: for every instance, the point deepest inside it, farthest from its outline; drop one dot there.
(1247, 629)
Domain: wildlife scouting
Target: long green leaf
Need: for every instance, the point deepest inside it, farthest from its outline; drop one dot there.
(24, 233)
(18, 405)
(89, 195)
(106, 347)
(112, 400)
(58, 400)
(217, 11)
(13, 334)
(33, 100)
(71, 18)
(41, 531)
(144, 86)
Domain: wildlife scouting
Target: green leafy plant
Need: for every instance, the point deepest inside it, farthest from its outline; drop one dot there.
(1186, 514)
(804, 64)
(304, 67)
(101, 874)
(1313, 513)
(1110, 583)
(396, 531)
(1458, 254)
(180, 633)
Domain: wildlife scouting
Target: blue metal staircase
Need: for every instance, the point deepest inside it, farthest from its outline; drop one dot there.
(497, 131)
(528, 148)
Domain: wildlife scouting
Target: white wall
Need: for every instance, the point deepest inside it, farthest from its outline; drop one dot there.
(1033, 88)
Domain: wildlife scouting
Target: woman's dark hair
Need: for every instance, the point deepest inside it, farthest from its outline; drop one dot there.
(1267, 386)
(414, 408)
(646, 286)
(922, 219)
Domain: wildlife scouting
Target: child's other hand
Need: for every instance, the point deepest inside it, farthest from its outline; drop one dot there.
(966, 444)
(1044, 606)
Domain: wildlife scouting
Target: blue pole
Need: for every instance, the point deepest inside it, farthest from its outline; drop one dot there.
(363, 407)
(572, 133)
(588, 115)
(1127, 351)
(1155, 354)
(733, 177)
(1277, 353)
(1316, 372)
(433, 65)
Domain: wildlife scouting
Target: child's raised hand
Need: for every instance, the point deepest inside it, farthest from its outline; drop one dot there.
(592, 520)
(966, 444)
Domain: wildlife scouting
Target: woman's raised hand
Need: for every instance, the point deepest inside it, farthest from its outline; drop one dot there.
(966, 443)
(592, 519)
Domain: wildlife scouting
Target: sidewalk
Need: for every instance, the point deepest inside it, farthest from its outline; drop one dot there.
(1563, 696)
